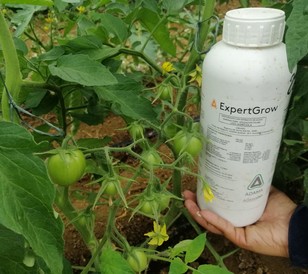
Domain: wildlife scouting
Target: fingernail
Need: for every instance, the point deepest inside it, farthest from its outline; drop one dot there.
(198, 213)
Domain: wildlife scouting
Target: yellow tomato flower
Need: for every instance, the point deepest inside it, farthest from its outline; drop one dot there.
(158, 235)
(167, 67)
(49, 20)
(196, 75)
(208, 194)
(81, 9)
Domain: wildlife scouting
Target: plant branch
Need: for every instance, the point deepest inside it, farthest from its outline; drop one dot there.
(63, 203)
(142, 56)
(207, 13)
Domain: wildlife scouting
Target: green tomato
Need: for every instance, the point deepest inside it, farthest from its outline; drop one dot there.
(148, 207)
(136, 131)
(66, 167)
(185, 142)
(170, 130)
(110, 189)
(165, 92)
(164, 201)
(194, 146)
(151, 158)
(138, 260)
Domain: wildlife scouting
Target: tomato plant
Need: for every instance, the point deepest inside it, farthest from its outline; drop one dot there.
(66, 167)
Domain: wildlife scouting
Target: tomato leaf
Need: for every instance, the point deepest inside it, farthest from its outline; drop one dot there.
(150, 20)
(92, 46)
(180, 247)
(112, 262)
(23, 17)
(12, 253)
(211, 269)
(114, 25)
(84, 42)
(79, 68)
(177, 266)
(26, 208)
(126, 99)
(174, 7)
(297, 35)
(28, 2)
(195, 248)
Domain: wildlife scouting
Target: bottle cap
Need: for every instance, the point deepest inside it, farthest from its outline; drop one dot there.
(254, 27)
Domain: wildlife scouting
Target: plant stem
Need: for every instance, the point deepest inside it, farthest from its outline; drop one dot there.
(207, 13)
(218, 258)
(12, 69)
(142, 56)
(194, 57)
(63, 203)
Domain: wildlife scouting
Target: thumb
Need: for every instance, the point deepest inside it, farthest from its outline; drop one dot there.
(217, 223)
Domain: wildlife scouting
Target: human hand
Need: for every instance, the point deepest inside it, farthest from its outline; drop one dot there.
(269, 235)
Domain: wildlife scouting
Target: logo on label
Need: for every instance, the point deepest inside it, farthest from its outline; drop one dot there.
(256, 182)
(250, 110)
(213, 104)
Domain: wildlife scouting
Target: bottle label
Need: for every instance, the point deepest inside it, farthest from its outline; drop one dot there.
(242, 143)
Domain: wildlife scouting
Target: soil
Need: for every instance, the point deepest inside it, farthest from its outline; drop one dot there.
(241, 262)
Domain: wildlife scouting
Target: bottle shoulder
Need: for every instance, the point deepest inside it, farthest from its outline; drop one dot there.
(226, 58)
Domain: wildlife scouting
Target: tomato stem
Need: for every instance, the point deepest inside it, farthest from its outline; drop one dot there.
(207, 13)
(219, 259)
(12, 70)
(63, 203)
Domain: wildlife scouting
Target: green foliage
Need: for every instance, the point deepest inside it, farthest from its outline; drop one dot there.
(126, 100)
(81, 69)
(297, 36)
(27, 206)
(156, 25)
(112, 261)
(291, 161)
(28, 2)
(13, 253)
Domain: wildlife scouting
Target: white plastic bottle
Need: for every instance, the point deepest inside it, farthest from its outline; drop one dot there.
(246, 89)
